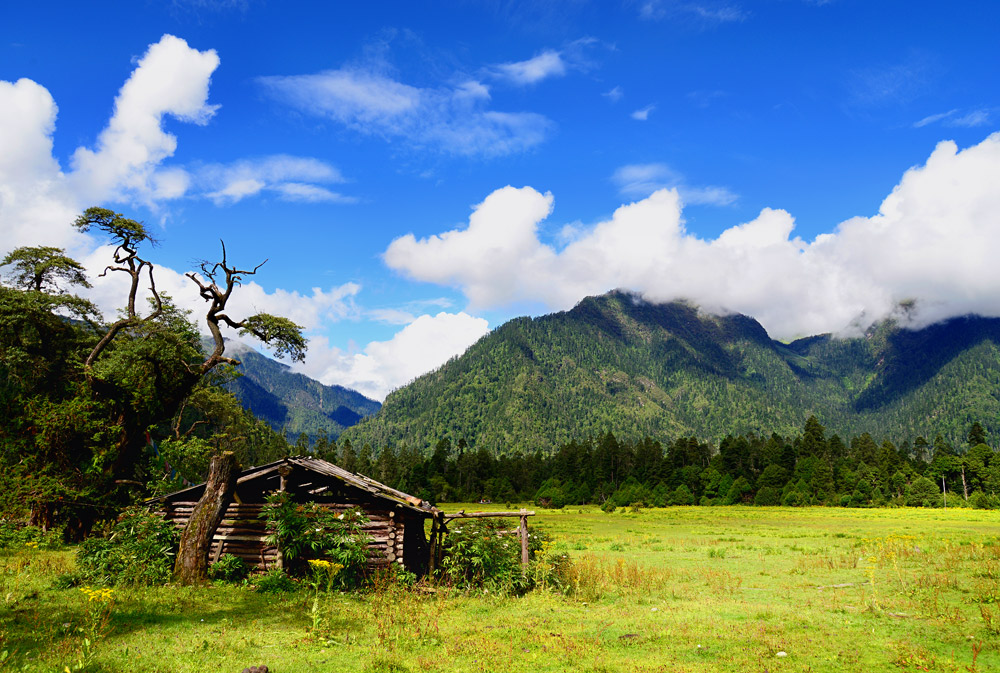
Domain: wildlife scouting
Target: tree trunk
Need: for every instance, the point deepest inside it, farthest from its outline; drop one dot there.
(196, 540)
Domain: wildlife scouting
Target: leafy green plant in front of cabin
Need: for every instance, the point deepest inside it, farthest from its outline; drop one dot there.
(137, 549)
(304, 531)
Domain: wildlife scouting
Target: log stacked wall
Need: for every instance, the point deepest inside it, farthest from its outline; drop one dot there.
(242, 533)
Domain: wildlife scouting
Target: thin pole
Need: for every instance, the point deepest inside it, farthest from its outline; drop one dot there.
(524, 537)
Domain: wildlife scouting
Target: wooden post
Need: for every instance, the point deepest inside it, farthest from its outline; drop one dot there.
(944, 492)
(432, 561)
(524, 537)
(283, 472)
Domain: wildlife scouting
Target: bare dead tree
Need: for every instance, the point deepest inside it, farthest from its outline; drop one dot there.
(216, 287)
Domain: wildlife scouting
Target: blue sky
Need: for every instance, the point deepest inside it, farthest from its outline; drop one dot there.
(783, 158)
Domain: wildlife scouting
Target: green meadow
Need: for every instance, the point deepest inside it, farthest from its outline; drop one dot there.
(677, 589)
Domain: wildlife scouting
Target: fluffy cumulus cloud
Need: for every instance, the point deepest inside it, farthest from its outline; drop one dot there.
(455, 119)
(424, 344)
(127, 162)
(931, 241)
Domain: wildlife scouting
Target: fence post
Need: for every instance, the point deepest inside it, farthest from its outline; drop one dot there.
(283, 472)
(524, 537)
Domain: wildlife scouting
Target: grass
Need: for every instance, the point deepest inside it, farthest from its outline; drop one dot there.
(679, 589)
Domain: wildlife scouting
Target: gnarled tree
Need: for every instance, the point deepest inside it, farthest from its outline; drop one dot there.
(77, 424)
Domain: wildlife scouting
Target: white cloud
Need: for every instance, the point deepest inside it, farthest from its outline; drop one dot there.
(453, 119)
(931, 119)
(485, 259)
(547, 64)
(392, 316)
(39, 201)
(614, 94)
(171, 79)
(423, 345)
(284, 175)
(638, 180)
(932, 240)
(970, 119)
(642, 114)
(710, 12)
(38, 198)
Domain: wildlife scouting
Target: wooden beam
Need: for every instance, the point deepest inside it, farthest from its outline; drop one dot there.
(484, 515)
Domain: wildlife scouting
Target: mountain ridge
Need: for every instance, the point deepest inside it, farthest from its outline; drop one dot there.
(292, 402)
(617, 363)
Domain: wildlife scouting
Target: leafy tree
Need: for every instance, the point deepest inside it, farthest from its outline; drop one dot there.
(81, 396)
(923, 493)
(43, 269)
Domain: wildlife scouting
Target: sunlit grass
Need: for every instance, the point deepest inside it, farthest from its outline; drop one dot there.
(680, 589)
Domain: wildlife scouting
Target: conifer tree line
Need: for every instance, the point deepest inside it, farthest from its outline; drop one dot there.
(808, 469)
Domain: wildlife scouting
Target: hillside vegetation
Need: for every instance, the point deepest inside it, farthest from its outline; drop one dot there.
(293, 403)
(617, 364)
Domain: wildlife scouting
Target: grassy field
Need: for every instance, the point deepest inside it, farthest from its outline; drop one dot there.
(680, 589)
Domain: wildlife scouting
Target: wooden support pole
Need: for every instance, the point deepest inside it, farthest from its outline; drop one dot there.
(524, 537)
(432, 560)
(283, 472)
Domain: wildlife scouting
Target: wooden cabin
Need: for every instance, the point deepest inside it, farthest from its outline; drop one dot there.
(396, 520)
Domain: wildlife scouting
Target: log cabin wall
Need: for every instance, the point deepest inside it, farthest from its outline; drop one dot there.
(242, 533)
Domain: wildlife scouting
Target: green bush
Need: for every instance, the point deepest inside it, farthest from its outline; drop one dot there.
(682, 496)
(274, 581)
(481, 553)
(311, 531)
(768, 496)
(980, 500)
(16, 534)
(137, 549)
(923, 493)
(229, 568)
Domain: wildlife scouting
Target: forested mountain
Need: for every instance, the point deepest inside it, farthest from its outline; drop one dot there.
(616, 363)
(294, 402)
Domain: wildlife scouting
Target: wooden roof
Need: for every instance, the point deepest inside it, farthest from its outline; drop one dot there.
(319, 467)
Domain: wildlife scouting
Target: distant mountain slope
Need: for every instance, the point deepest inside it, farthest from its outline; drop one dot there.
(294, 402)
(617, 363)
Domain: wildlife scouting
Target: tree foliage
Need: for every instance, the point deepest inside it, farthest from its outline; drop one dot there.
(82, 397)
(616, 363)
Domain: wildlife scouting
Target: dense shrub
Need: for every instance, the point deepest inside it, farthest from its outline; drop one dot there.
(137, 549)
(682, 496)
(980, 500)
(923, 493)
(311, 531)
(483, 553)
(229, 568)
(274, 581)
(16, 534)
(551, 494)
(768, 496)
